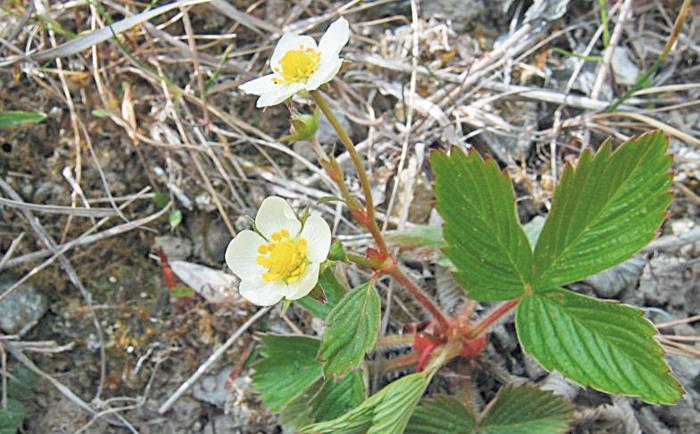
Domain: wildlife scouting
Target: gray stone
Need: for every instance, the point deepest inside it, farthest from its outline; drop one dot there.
(22, 309)
(624, 70)
(212, 388)
(175, 248)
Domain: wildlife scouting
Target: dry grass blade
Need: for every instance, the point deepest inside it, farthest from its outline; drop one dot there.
(86, 41)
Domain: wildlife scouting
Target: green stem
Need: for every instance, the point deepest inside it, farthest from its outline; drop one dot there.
(357, 161)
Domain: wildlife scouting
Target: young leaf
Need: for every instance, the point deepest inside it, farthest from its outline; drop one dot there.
(485, 241)
(602, 344)
(441, 415)
(524, 410)
(333, 291)
(385, 412)
(351, 332)
(288, 368)
(604, 211)
(335, 398)
(9, 119)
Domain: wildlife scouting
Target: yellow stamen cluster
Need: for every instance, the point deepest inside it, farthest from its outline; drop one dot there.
(284, 257)
(297, 65)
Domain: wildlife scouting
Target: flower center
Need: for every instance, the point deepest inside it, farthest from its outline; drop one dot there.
(297, 65)
(284, 258)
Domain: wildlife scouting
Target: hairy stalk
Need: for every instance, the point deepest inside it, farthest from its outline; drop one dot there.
(420, 296)
(491, 318)
(393, 340)
(371, 222)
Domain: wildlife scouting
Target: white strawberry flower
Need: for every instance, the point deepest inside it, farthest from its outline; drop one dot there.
(298, 65)
(283, 258)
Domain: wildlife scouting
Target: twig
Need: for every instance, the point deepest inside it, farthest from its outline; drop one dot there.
(210, 361)
(11, 250)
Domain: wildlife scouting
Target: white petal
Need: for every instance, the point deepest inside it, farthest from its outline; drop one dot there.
(290, 41)
(335, 38)
(279, 96)
(325, 73)
(241, 254)
(260, 292)
(261, 85)
(274, 215)
(307, 282)
(317, 234)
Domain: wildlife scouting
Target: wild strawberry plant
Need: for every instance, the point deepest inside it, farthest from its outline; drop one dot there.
(604, 210)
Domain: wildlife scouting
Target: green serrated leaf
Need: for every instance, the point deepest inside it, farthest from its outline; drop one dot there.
(393, 412)
(10, 119)
(335, 398)
(385, 412)
(526, 409)
(297, 414)
(485, 241)
(602, 344)
(604, 210)
(351, 331)
(441, 414)
(288, 368)
(13, 416)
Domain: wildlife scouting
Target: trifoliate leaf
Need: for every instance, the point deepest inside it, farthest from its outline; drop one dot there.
(604, 210)
(385, 412)
(351, 331)
(485, 241)
(441, 415)
(10, 119)
(602, 344)
(288, 368)
(525, 409)
(335, 398)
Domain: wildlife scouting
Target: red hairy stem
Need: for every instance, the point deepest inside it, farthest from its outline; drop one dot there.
(491, 318)
(420, 296)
